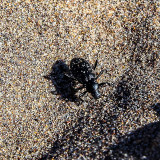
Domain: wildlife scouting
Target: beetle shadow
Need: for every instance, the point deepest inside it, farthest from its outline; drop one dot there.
(122, 96)
(62, 81)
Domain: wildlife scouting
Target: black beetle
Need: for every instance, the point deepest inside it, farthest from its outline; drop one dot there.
(83, 73)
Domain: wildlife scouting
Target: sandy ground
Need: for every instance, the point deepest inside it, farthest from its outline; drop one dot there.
(123, 123)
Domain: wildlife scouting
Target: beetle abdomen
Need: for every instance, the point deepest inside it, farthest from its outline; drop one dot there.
(80, 69)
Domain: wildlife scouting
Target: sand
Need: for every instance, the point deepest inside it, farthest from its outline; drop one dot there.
(123, 123)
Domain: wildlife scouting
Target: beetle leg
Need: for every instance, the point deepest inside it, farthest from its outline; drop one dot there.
(95, 65)
(54, 92)
(70, 76)
(47, 77)
(82, 94)
(100, 74)
(79, 88)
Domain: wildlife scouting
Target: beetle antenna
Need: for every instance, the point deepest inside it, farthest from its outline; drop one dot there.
(95, 65)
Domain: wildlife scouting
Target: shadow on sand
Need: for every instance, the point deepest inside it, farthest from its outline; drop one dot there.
(140, 144)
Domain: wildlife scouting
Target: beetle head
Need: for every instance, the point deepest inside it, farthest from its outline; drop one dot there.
(92, 87)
